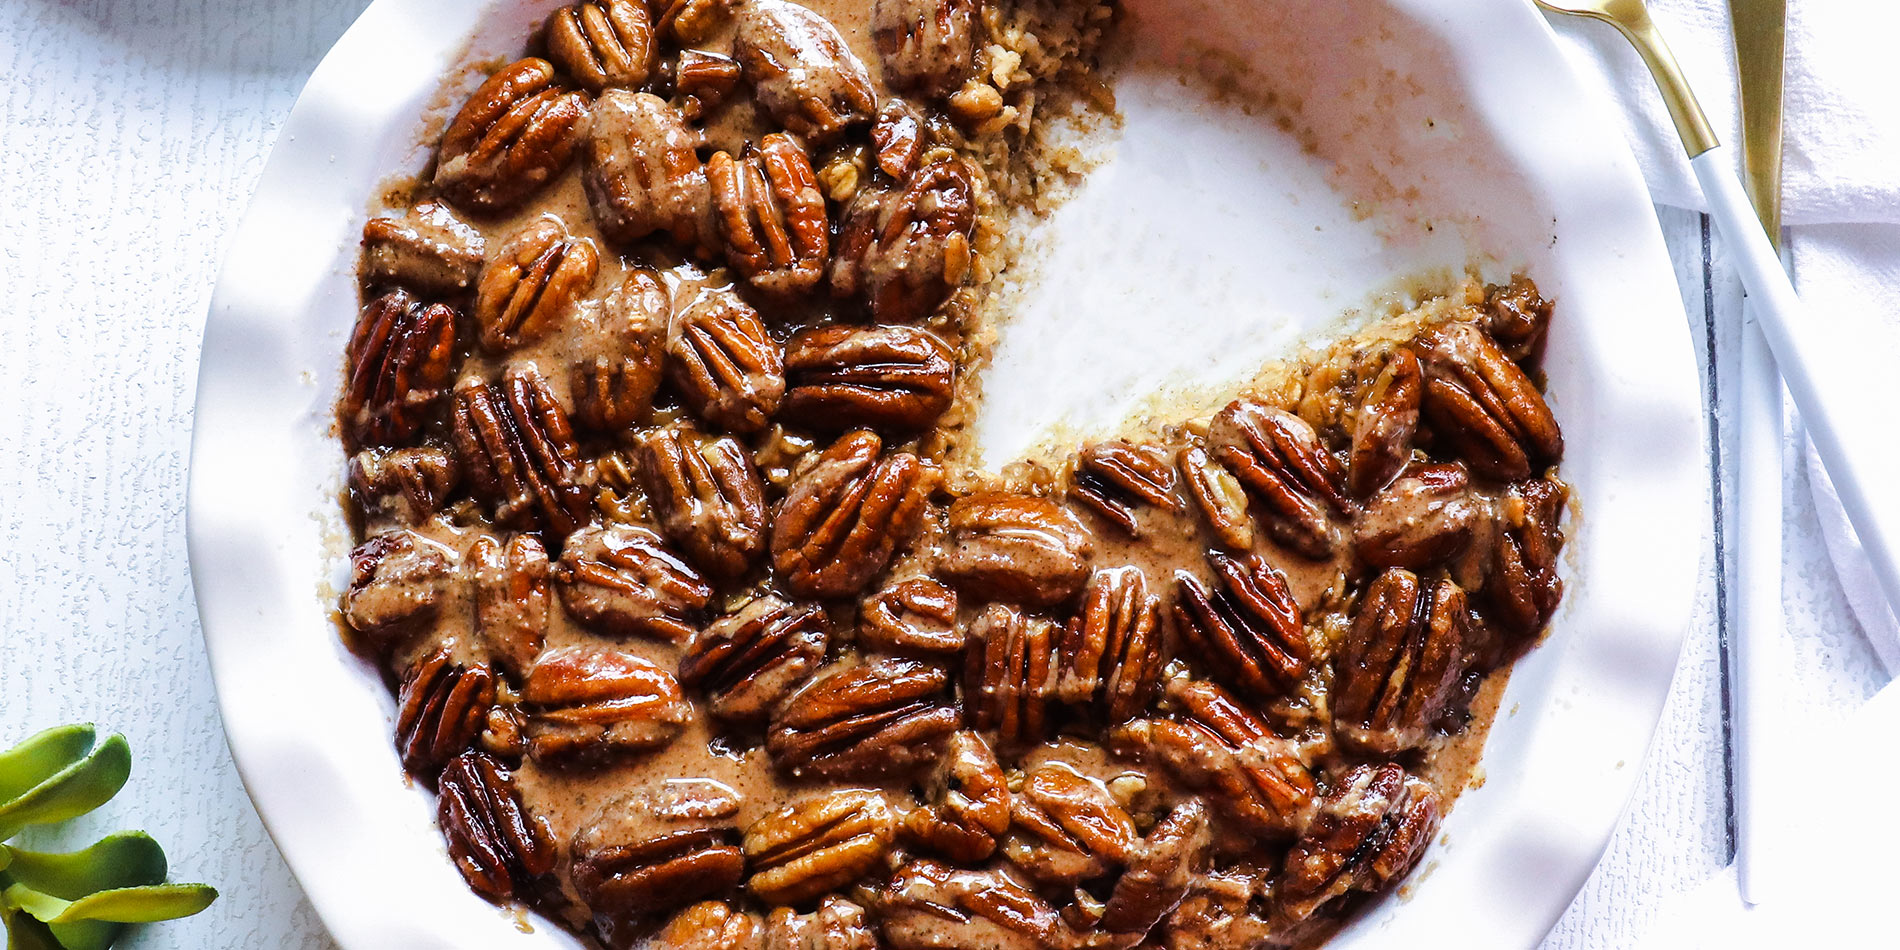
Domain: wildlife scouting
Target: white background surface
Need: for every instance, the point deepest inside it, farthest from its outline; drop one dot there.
(130, 136)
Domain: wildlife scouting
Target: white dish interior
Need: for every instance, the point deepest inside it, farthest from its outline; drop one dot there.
(1431, 133)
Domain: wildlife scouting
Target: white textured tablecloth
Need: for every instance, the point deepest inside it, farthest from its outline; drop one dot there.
(130, 137)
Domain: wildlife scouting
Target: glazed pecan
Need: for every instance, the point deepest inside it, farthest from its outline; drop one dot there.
(1371, 829)
(927, 45)
(748, 660)
(1522, 586)
(892, 378)
(1400, 662)
(643, 172)
(1251, 634)
(849, 508)
(1384, 423)
(511, 599)
(898, 137)
(704, 81)
(709, 925)
(1517, 317)
(1224, 908)
(1114, 648)
(931, 906)
(838, 924)
(818, 845)
(1009, 674)
(1483, 406)
(1217, 747)
(535, 280)
(586, 706)
(1223, 503)
(864, 722)
(499, 847)
(403, 485)
(621, 579)
(1066, 828)
(401, 358)
(1280, 460)
(1016, 548)
(602, 43)
(614, 389)
(398, 581)
(440, 709)
(916, 616)
(707, 495)
(512, 137)
(1115, 479)
(968, 808)
(801, 70)
(726, 367)
(519, 453)
(1160, 872)
(904, 250)
(428, 250)
(690, 21)
(667, 844)
(771, 215)
(1425, 517)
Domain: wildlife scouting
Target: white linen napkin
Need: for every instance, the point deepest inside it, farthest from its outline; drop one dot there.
(1840, 191)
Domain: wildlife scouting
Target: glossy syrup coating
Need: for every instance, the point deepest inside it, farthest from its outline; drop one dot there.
(706, 635)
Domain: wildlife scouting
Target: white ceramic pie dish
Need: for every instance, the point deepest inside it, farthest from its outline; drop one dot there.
(1459, 115)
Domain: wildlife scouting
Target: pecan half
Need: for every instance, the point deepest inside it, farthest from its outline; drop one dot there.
(602, 43)
(401, 358)
(398, 581)
(1484, 407)
(1217, 747)
(803, 850)
(1160, 872)
(748, 660)
(1066, 828)
(707, 495)
(801, 70)
(1425, 517)
(1522, 587)
(864, 722)
(534, 281)
(1400, 663)
(620, 579)
(643, 173)
(725, 365)
(499, 847)
(667, 844)
(704, 81)
(1251, 634)
(587, 706)
(1517, 317)
(519, 453)
(1280, 460)
(904, 250)
(838, 924)
(1009, 674)
(1114, 479)
(512, 137)
(849, 508)
(772, 215)
(440, 709)
(709, 925)
(428, 250)
(403, 485)
(1016, 548)
(1114, 648)
(691, 21)
(915, 617)
(1218, 495)
(927, 45)
(968, 808)
(892, 378)
(1383, 425)
(1225, 908)
(1371, 829)
(511, 599)
(932, 906)
(614, 389)
(898, 138)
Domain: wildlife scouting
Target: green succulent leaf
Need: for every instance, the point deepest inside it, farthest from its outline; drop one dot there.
(25, 933)
(139, 905)
(48, 791)
(126, 859)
